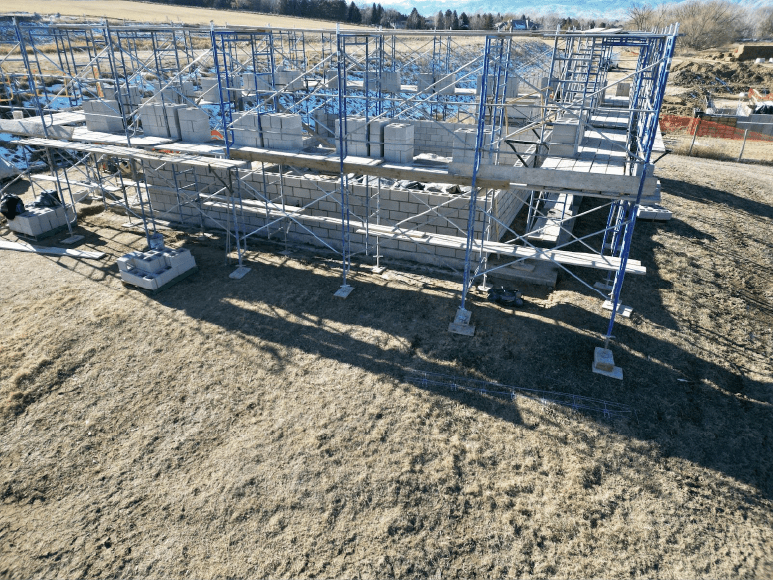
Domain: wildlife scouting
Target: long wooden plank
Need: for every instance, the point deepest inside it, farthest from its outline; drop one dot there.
(20, 247)
(131, 153)
(563, 257)
(490, 176)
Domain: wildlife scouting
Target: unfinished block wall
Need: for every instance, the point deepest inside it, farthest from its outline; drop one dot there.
(433, 212)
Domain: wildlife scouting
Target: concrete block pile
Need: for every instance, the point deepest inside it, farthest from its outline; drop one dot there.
(168, 95)
(390, 82)
(564, 138)
(282, 131)
(426, 80)
(36, 222)
(398, 142)
(376, 138)
(161, 120)
(153, 269)
(465, 140)
(287, 79)
(253, 83)
(194, 125)
(356, 136)
(130, 96)
(246, 133)
(209, 90)
(103, 116)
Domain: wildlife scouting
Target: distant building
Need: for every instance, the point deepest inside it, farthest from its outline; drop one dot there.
(512, 25)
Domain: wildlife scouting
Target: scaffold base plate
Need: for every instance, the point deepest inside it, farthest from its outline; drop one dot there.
(604, 364)
(603, 286)
(239, 273)
(344, 291)
(622, 310)
(71, 240)
(378, 269)
(461, 324)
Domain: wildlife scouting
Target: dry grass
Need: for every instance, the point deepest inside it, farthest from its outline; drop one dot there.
(720, 149)
(151, 12)
(264, 428)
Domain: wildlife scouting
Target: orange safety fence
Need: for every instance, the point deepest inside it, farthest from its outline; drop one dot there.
(705, 128)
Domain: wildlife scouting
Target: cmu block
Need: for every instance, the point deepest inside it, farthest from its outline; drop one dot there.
(103, 115)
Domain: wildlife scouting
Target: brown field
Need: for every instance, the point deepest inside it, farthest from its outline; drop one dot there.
(264, 428)
(151, 12)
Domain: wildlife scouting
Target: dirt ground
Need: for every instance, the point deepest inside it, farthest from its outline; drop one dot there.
(712, 72)
(264, 428)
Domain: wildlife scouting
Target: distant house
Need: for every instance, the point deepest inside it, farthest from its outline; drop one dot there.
(399, 24)
(512, 25)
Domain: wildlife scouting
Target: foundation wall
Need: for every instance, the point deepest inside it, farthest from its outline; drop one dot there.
(430, 212)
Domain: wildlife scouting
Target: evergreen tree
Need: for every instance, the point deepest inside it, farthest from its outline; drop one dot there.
(354, 15)
(487, 21)
(440, 21)
(454, 21)
(375, 17)
(464, 21)
(415, 20)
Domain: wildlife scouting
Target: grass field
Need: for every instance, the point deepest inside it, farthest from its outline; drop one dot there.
(149, 12)
(264, 428)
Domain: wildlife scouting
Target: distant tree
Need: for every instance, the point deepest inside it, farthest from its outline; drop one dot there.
(415, 20)
(454, 21)
(706, 24)
(464, 21)
(283, 7)
(448, 19)
(354, 15)
(765, 23)
(640, 15)
(440, 21)
(487, 22)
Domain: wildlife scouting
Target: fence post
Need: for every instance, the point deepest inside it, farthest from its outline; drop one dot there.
(745, 133)
(694, 135)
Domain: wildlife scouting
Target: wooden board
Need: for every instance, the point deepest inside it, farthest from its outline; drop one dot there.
(20, 247)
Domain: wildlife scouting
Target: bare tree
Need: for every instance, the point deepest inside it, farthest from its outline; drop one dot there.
(641, 16)
(707, 24)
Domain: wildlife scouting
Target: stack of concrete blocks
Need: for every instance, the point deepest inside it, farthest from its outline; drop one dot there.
(168, 95)
(376, 137)
(523, 109)
(564, 138)
(254, 83)
(246, 131)
(356, 136)
(282, 131)
(324, 123)
(188, 90)
(398, 143)
(161, 120)
(288, 80)
(426, 80)
(331, 79)
(465, 140)
(130, 96)
(209, 89)
(153, 269)
(36, 222)
(623, 90)
(194, 125)
(445, 84)
(390, 82)
(103, 116)
(370, 79)
(490, 83)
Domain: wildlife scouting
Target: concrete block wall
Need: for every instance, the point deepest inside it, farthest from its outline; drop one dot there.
(131, 96)
(396, 205)
(194, 125)
(376, 137)
(103, 116)
(256, 82)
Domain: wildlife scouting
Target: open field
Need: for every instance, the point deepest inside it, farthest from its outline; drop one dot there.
(264, 428)
(149, 12)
